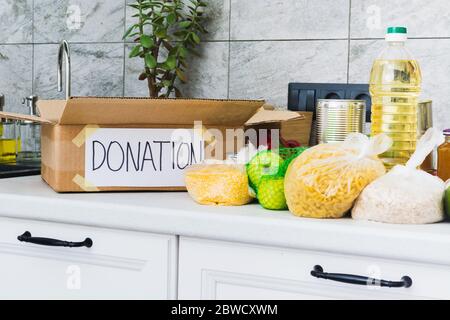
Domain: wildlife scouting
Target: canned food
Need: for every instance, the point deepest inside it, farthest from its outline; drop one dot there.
(337, 118)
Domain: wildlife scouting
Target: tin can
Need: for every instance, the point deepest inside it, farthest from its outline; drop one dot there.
(335, 119)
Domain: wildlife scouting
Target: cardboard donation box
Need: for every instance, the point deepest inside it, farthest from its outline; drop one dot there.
(117, 144)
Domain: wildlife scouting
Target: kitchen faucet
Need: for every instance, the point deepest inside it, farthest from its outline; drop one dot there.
(64, 52)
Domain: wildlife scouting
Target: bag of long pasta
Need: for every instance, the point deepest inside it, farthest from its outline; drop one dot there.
(324, 181)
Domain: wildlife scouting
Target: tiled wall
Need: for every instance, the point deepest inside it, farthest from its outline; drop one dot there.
(253, 50)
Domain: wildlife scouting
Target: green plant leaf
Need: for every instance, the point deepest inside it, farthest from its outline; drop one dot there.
(182, 51)
(171, 18)
(158, 20)
(127, 33)
(171, 62)
(181, 75)
(147, 41)
(195, 38)
(161, 33)
(185, 24)
(150, 61)
(135, 51)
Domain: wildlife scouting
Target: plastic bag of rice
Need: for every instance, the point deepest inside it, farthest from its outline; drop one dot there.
(406, 195)
(324, 181)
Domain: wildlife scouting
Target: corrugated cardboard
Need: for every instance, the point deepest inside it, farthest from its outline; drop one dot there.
(298, 130)
(62, 121)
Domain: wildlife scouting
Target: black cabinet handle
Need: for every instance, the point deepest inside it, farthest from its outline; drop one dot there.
(317, 272)
(26, 237)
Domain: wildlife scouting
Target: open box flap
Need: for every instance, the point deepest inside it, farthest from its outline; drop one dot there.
(23, 117)
(101, 111)
(273, 116)
(50, 112)
(51, 109)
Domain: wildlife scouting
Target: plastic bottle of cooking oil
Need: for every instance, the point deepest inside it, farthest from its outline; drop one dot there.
(395, 83)
(8, 142)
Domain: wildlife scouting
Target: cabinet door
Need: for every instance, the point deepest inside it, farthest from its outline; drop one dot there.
(223, 270)
(119, 265)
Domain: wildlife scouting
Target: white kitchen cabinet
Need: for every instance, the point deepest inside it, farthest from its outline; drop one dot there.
(223, 253)
(226, 270)
(119, 265)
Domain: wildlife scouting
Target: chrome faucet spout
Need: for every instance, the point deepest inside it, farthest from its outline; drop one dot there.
(64, 55)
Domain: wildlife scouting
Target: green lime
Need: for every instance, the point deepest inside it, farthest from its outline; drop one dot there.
(264, 163)
(271, 193)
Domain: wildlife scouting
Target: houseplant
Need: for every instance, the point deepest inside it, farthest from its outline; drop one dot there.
(165, 33)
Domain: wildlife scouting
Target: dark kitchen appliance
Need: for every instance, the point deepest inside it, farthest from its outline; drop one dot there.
(304, 96)
(17, 170)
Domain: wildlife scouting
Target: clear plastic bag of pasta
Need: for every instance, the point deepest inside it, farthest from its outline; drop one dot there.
(324, 181)
(222, 184)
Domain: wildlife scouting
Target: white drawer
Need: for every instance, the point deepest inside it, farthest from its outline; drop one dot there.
(222, 270)
(119, 265)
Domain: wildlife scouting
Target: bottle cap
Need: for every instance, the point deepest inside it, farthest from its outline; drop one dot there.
(401, 30)
(447, 132)
(397, 34)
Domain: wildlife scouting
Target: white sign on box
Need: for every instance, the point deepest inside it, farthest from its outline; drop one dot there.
(116, 157)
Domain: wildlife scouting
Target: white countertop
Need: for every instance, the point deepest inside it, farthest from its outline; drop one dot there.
(175, 213)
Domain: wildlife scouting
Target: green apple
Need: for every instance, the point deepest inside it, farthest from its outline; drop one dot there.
(264, 163)
(271, 193)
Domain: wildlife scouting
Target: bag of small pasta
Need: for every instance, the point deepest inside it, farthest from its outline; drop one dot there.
(406, 195)
(324, 181)
(218, 184)
(222, 183)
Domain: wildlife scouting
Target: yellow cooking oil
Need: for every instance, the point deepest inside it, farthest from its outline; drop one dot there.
(395, 85)
(10, 145)
(8, 150)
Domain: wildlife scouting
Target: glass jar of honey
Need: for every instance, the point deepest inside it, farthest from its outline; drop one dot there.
(444, 157)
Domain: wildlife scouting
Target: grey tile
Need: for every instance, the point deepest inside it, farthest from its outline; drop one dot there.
(78, 20)
(362, 55)
(97, 70)
(133, 68)
(263, 70)
(289, 19)
(16, 71)
(16, 21)
(207, 73)
(423, 18)
(432, 55)
(216, 15)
